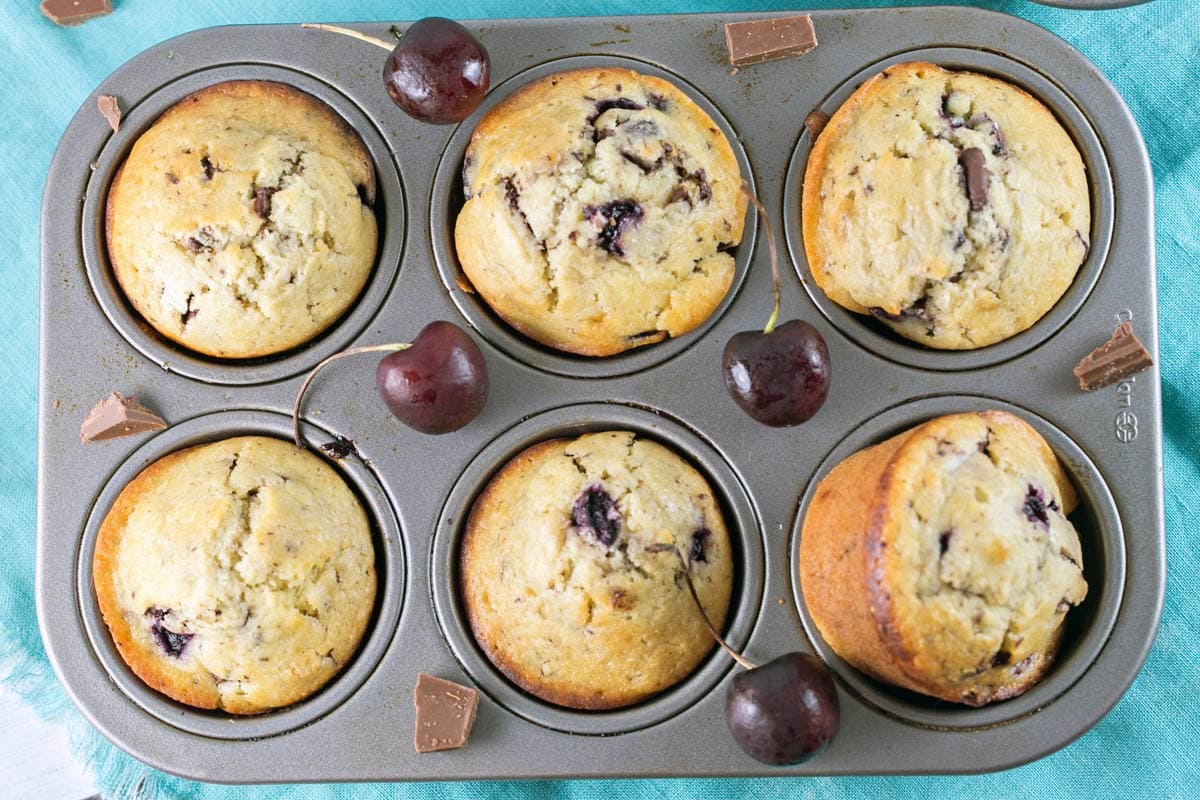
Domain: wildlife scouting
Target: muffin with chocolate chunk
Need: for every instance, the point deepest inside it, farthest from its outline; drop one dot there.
(942, 560)
(237, 575)
(571, 574)
(240, 224)
(600, 206)
(950, 205)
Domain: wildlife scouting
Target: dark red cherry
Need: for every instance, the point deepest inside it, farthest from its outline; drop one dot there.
(438, 72)
(780, 378)
(439, 383)
(785, 711)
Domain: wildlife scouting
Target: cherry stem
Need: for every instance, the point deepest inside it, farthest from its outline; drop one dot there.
(762, 214)
(687, 576)
(350, 32)
(353, 351)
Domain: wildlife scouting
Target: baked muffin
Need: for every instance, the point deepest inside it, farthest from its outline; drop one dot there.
(950, 205)
(240, 224)
(942, 560)
(237, 575)
(600, 204)
(571, 574)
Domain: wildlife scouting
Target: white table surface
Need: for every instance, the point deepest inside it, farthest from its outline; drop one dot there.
(35, 763)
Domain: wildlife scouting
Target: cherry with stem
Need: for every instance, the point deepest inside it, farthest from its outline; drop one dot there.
(435, 384)
(779, 375)
(437, 72)
(784, 712)
(354, 351)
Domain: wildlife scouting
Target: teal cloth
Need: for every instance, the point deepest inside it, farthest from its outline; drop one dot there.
(1146, 747)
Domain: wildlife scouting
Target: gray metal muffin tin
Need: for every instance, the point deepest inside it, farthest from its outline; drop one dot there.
(418, 488)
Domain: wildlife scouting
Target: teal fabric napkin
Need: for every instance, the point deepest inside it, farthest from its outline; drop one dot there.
(1146, 747)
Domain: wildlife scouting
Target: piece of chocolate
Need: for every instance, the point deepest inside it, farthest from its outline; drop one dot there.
(1118, 358)
(972, 163)
(445, 713)
(74, 12)
(117, 415)
(111, 111)
(759, 40)
(815, 122)
(262, 201)
(339, 448)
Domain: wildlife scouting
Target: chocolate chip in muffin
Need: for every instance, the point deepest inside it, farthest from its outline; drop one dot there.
(983, 122)
(976, 176)
(616, 102)
(262, 201)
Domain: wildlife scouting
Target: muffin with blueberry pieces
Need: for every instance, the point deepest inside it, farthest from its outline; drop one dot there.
(600, 208)
(571, 571)
(237, 575)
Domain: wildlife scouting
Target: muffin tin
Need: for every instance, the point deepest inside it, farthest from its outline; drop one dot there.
(418, 488)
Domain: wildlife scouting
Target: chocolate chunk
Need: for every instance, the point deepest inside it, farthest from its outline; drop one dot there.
(187, 315)
(74, 12)
(884, 314)
(339, 448)
(262, 201)
(972, 163)
(616, 102)
(117, 415)
(445, 714)
(203, 241)
(111, 111)
(1118, 358)
(915, 311)
(759, 40)
(698, 178)
(980, 122)
(815, 122)
(596, 516)
(644, 165)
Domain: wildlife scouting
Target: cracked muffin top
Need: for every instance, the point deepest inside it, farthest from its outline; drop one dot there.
(237, 575)
(942, 559)
(952, 206)
(240, 225)
(600, 208)
(571, 573)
